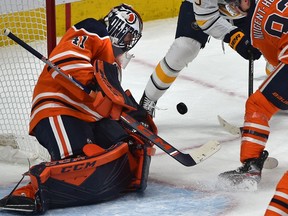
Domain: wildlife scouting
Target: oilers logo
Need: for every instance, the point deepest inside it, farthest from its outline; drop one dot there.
(122, 22)
(121, 26)
(131, 18)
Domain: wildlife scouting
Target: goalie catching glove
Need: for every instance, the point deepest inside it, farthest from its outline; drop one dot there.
(239, 42)
(110, 99)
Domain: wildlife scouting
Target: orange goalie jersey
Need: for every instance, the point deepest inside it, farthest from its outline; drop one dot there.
(269, 29)
(82, 44)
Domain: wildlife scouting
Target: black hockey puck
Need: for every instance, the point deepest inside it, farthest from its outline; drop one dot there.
(182, 108)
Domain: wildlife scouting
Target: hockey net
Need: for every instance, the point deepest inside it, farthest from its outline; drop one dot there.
(18, 75)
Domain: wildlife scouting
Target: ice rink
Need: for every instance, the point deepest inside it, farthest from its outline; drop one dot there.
(216, 83)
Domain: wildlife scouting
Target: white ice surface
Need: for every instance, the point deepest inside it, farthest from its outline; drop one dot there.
(214, 84)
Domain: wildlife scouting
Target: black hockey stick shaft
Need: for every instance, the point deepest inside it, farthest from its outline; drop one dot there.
(251, 73)
(30, 49)
(8, 33)
(185, 159)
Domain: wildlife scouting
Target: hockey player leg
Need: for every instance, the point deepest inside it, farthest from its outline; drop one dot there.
(245, 177)
(141, 115)
(254, 137)
(260, 107)
(269, 68)
(182, 52)
(189, 39)
(256, 128)
(279, 203)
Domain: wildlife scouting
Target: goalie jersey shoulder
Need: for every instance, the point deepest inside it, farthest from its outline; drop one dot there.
(92, 26)
(75, 54)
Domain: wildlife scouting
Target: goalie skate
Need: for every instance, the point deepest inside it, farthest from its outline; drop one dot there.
(18, 204)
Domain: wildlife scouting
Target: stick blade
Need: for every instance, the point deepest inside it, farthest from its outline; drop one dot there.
(232, 129)
(205, 151)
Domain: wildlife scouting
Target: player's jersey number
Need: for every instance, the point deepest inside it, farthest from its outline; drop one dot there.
(80, 41)
(277, 23)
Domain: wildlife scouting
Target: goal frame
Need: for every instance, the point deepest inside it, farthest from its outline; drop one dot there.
(51, 25)
(10, 150)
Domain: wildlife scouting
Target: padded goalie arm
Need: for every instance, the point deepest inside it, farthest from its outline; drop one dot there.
(112, 98)
(63, 78)
(108, 102)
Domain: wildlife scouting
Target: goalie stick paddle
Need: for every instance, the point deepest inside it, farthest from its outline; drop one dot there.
(198, 154)
(270, 162)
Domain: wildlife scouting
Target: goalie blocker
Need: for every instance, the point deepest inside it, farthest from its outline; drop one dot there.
(98, 176)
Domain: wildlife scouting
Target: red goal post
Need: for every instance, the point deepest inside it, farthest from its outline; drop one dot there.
(34, 22)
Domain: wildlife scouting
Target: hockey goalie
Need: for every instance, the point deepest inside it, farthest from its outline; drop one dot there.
(97, 174)
(76, 115)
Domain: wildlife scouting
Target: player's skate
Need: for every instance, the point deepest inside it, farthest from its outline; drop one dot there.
(148, 105)
(18, 203)
(22, 199)
(245, 177)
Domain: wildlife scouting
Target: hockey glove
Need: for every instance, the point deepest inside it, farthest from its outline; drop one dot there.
(239, 42)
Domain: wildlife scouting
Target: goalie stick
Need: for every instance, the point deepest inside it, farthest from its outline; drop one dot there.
(270, 162)
(198, 154)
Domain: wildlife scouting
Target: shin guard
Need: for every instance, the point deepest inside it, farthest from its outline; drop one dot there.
(256, 128)
(82, 180)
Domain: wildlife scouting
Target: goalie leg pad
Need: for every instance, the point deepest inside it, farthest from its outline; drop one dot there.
(140, 159)
(83, 180)
(104, 175)
(145, 169)
(141, 165)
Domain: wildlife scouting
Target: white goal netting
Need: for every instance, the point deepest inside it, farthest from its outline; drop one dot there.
(19, 71)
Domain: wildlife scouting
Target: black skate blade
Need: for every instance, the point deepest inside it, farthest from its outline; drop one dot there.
(17, 204)
(27, 209)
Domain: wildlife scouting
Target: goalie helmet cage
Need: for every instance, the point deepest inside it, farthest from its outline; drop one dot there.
(34, 22)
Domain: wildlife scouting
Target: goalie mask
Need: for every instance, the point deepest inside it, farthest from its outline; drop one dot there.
(124, 26)
(232, 9)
